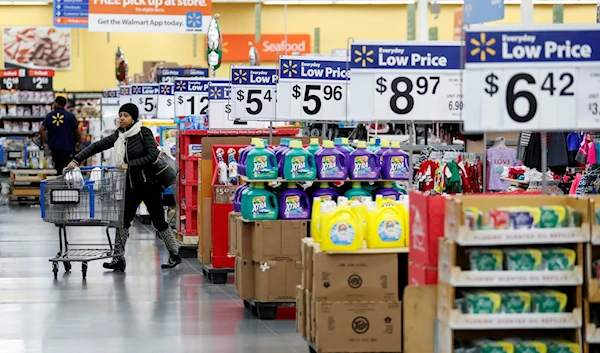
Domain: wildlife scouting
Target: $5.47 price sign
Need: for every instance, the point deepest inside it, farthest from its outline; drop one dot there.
(312, 88)
(532, 78)
(406, 81)
(253, 96)
(191, 97)
(145, 97)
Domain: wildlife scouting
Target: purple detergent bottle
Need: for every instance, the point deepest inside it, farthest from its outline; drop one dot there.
(394, 163)
(331, 163)
(294, 203)
(384, 146)
(387, 192)
(339, 145)
(243, 155)
(281, 158)
(364, 164)
(284, 145)
(237, 197)
(325, 193)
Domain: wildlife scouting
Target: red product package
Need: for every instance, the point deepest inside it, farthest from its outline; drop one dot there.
(498, 218)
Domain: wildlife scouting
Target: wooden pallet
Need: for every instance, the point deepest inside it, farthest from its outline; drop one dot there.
(265, 311)
(30, 175)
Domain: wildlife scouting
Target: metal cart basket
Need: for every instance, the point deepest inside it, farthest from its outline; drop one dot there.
(74, 200)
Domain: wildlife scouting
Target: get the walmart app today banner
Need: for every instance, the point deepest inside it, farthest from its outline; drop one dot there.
(164, 16)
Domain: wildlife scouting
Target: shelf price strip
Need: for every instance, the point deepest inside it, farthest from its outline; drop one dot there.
(312, 89)
(166, 101)
(110, 96)
(536, 78)
(191, 97)
(398, 81)
(145, 96)
(253, 93)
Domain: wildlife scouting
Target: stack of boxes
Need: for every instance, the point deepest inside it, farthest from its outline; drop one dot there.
(350, 302)
(268, 263)
(426, 227)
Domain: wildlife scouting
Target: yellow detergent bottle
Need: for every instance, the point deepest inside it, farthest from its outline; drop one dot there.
(315, 219)
(340, 229)
(402, 206)
(360, 212)
(386, 227)
(381, 202)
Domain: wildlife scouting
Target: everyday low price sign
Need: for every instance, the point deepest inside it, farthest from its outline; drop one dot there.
(532, 78)
(253, 94)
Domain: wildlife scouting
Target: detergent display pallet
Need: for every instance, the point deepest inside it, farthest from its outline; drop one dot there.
(265, 311)
(216, 275)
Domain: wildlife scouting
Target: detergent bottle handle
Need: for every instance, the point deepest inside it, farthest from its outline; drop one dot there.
(375, 159)
(273, 160)
(344, 161)
(311, 161)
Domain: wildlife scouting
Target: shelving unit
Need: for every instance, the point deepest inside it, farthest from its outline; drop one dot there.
(455, 275)
(592, 290)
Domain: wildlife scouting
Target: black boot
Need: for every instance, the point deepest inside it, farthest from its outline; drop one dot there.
(117, 264)
(174, 260)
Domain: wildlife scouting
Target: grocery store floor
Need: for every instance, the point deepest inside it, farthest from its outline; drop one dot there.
(144, 310)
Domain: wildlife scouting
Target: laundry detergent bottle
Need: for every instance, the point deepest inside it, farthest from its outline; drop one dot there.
(339, 145)
(259, 204)
(279, 150)
(364, 164)
(331, 163)
(294, 203)
(237, 197)
(346, 143)
(244, 155)
(315, 218)
(387, 192)
(325, 193)
(385, 145)
(386, 226)
(357, 192)
(299, 163)
(394, 163)
(340, 229)
(375, 145)
(314, 146)
(261, 163)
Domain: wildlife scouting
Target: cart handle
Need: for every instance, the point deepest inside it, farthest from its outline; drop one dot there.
(89, 168)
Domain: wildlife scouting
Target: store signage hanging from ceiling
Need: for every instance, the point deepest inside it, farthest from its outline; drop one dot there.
(253, 93)
(155, 16)
(236, 47)
(71, 13)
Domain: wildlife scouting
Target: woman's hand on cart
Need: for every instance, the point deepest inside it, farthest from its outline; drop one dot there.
(124, 166)
(72, 166)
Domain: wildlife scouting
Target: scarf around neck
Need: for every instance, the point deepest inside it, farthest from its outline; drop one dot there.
(120, 147)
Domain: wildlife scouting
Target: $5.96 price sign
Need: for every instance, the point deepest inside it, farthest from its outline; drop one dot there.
(532, 77)
(312, 88)
(191, 96)
(405, 81)
(253, 94)
(145, 97)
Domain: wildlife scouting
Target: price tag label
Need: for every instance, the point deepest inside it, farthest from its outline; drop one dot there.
(219, 110)
(145, 96)
(397, 81)
(253, 95)
(110, 96)
(168, 75)
(125, 95)
(191, 96)
(166, 101)
(37, 80)
(537, 78)
(312, 88)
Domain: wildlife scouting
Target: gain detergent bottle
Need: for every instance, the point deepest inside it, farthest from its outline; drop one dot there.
(259, 204)
(299, 163)
(261, 163)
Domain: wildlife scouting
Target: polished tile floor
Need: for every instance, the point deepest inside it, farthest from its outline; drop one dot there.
(145, 310)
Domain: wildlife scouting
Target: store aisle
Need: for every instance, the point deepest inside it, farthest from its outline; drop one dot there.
(144, 310)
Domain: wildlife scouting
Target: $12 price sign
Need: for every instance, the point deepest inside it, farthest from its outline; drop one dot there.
(145, 97)
(191, 96)
(405, 81)
(536, 78)
(253, 95)
(312, 89)
(166, 101)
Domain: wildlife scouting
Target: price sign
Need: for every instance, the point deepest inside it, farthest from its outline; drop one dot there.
(219, 109)
(125, 95)
(399, 81)
(191, 96)
(312, 88)
(110, 96)
(145, 96)
(168, 75)
(253, 95)
(37, 80)
(536, 78)
(166, 101)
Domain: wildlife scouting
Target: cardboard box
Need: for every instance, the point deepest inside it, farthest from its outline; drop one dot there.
(420, 275)
(358, 327)
(244, 238)
(278, 240)
(205, 241)
(308, 305)
(244, 278)
(233, 216)
(223, 194)
(420, 312)
(356, 277)
(426, 227)
(276, 281)
(307, 263)
(300, 311)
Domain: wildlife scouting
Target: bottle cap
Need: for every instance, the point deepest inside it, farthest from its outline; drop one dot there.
(296, 144)
(372, 141)
(395, 144)
(342, 201)
(285, 142)
(345, 141)
(254, 140)
(328, 144)
(362, 144)
(259, 144)
(337, 141)
(314, 141)
(385, 143)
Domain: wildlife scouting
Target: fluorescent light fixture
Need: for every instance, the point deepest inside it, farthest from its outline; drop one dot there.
(298, 2)
(24, 2)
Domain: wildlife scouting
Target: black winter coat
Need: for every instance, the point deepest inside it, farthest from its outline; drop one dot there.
(141, 153)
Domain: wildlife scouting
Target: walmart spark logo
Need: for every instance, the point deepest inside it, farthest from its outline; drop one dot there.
(289, 68)
(483, 47)
(124, 91)
(181, 86)
(240, 76)
(166, 89)
(58, 119)
(363, 56)
(215, 93)
(194, 19)
(137, 89)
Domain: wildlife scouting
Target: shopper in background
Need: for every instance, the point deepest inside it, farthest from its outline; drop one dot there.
(60, 131)
(135, 151)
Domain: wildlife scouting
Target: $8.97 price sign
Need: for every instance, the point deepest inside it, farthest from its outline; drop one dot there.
(191, 97)
(537, 80)
(253, 96)
(312, 89)
(406, 81)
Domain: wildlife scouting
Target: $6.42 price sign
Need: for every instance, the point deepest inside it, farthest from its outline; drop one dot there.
(253, 93)
(532, 78)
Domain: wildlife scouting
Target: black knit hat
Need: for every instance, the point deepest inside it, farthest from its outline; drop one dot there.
(132, 109)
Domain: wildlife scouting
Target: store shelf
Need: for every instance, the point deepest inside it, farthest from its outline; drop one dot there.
(11, 117)
(26, 103)
(191, 158)
(22, 133)
(459, 321)
(251, 132)
(283, 180)
(460, 278)
(466, 237)
(184, 207)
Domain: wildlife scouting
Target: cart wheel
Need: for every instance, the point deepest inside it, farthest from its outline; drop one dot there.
(55, 269)
(67, 266)
(84, 269)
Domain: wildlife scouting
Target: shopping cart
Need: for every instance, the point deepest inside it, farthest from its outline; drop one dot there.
(73, 200)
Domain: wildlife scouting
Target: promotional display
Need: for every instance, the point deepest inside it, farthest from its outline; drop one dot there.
(191, 96)
(36, 48)
(253, 93)
(532, 78)
(312, 89)
(399, 81)
(145, 96)
(168, 75)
